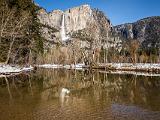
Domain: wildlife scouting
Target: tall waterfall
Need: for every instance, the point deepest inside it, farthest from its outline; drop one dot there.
(63, 31)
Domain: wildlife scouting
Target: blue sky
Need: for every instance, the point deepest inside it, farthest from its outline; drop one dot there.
(119, 11)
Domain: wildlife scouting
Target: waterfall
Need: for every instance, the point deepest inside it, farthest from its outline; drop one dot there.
(63, 32)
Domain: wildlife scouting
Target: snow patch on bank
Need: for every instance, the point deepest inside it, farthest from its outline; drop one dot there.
(7, 69)
(72, 66)
(131, 66)
(50, 66)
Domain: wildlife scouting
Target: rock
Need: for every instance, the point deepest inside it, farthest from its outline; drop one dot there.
(146, 31)
(77, 18)
(86, 30)
(55, 18)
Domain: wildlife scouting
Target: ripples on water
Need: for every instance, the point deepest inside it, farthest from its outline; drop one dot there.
(93, 96)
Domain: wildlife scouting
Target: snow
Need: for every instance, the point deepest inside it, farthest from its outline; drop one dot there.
(131, 66)
(121, 68)
(112, 66)
(51, 66)
(27, 68)
(78, 66)
(68, 66)
(5, 69)
(72, 66)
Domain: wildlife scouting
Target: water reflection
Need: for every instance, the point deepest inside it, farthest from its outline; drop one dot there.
(70, 94)
(64, 96)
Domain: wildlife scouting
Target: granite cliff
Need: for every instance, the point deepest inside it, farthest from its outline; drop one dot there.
(83, 31)
(146, 31)
(76, 28)
(75, 19)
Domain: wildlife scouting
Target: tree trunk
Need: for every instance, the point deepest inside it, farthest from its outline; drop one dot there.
(9, 51)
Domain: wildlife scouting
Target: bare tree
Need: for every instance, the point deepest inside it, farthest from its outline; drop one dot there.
(12, 26)
(133, 48)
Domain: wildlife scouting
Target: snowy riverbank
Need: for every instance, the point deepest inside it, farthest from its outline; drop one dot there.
(148, 67)
(110, 66)
(72, 66)
(8, 69)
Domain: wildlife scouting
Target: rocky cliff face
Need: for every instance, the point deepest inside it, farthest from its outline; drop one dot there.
(77, 28)
(146, 31)
(81, 32)
(77, 18)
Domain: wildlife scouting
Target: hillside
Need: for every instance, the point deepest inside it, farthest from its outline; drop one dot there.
(146, 31)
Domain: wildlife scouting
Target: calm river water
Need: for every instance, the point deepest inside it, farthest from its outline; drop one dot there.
(41, 95)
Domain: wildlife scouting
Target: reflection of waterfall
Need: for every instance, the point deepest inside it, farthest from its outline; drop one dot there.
(63, 96)
(63, 32)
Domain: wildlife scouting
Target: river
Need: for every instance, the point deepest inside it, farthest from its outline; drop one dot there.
(92, 95)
